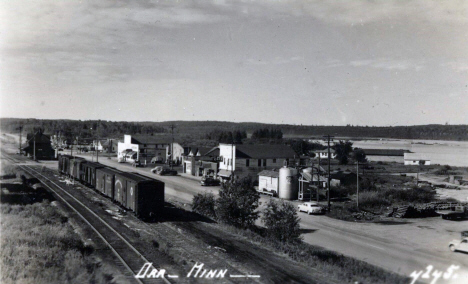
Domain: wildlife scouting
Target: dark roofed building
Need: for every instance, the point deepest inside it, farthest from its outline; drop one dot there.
(38, 145)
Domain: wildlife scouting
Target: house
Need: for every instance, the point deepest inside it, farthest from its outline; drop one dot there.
(323, 154)
(251, 159)
(268, 182)
(38, 146)
(310, 181)
(146, 147)
(197, 163)
(110, 145)
(413, 159)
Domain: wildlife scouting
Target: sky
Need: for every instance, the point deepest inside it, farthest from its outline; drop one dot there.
(331, 62)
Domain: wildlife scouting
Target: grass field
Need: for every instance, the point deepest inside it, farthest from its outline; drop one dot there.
(38, 245)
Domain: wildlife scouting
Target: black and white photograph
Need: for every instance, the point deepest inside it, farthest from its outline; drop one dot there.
(234, 141)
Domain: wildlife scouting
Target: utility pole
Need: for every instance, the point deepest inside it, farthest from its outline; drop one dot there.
(357, 184)
(20, 129)
(328, 137)
(172, 146)
(34, 153)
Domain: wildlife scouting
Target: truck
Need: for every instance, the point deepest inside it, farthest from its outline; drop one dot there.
(453, 212)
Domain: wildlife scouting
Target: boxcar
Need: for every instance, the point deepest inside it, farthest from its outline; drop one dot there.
(143, 195)
(88, 176)
(105, 181)
(76, 167)
(64, 164)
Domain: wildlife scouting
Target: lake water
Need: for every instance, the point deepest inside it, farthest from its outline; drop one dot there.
(454, 153)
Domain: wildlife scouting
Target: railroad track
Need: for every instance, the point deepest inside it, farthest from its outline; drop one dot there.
(129, 257)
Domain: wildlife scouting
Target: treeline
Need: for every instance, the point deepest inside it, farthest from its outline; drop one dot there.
(84, 129)
(265, 133)
(199, 130)
(220, 136)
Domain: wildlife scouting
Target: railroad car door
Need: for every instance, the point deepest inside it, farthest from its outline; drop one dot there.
(131, 190)
(118, 189)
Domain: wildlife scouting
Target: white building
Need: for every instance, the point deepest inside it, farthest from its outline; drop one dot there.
(414, 159)
(323, 154)
(126, 150)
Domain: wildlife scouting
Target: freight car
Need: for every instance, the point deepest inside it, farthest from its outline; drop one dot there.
(140, 194)
(64, 164)
(88, 175)
(105, 181)
(76, 167)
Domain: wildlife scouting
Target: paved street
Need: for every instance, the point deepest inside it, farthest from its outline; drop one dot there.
(402, 248)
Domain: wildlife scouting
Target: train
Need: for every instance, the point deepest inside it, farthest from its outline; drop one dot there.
(137, 193)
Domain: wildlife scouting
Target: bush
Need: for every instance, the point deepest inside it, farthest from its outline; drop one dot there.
(282, 222)
(373, 199)
(204, 204)
(237, 203)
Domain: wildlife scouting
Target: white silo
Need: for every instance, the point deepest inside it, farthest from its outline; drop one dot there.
(288, 188)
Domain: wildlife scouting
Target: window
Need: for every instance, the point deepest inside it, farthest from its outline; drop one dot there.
(264, 162)
(224, 161)
(274, 161)
(247, 162)
(259, 162)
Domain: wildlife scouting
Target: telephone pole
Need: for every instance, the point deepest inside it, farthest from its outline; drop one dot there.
(172, 147)
(328, 137)
(357, 184)
(21, 130)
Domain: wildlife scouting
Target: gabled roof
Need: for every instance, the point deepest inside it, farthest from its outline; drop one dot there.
(264, 151)
(267, 173)
(214, 152)
(38, 137)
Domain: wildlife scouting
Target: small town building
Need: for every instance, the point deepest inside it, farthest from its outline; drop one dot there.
(110, 145)
(38, 146)
(413, 159)
(323, 154)
(197, 163)
(385, 155)
(268, 182)
(246, 160)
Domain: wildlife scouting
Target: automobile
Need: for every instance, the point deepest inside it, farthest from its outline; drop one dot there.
(137, 164)
(208, 180)
(164, 171)
(311, 208)
(457, 245)
(157, 160)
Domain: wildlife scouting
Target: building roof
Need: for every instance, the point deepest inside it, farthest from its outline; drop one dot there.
(415, 156)
(309, 177)
(38, 137)
(267, 173)
(148, 139)
(385, 152)
(264, 151)
(332, 151)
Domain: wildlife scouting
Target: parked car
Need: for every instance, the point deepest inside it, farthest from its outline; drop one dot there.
(137, 164)
(457, 245)
(208, 180)
(157, 159)
(311, 208)
(164, 171)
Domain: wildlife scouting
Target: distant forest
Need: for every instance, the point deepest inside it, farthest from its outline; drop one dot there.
(208, 130)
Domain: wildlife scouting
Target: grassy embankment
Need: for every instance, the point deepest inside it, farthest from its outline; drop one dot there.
(39, 245)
